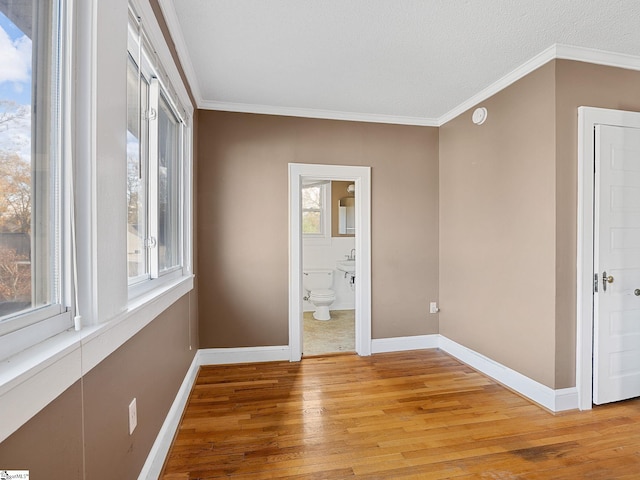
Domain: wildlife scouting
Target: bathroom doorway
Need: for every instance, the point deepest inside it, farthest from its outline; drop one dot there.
(303, 175)
(328, 266)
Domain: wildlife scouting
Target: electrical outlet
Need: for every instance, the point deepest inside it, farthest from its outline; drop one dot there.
(433, 307)
(133, 416)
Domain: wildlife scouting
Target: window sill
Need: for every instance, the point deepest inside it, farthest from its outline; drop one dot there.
(33, 378)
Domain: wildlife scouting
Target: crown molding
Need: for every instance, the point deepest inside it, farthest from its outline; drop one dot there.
(512, 77)
(556, 51)
(316, 113)
(598, 57)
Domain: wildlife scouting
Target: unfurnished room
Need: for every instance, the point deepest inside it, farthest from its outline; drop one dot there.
(308, 239)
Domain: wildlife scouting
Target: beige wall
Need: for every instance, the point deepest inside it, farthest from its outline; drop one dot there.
(150, 367)
(50, 444)
(508, 202)
(578, 84)
(243, 221)
(497, 228)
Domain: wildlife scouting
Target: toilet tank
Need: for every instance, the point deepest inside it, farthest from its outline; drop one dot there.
(317, 279)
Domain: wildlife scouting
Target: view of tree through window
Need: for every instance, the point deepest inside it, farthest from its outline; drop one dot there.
(312, 210)
(15, 156)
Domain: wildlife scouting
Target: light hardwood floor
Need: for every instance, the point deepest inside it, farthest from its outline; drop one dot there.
(409, 415)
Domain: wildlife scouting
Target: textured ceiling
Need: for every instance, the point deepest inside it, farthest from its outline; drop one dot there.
(413, 60)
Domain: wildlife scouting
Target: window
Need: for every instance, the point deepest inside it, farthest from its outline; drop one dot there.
(137, 134)
(30, 163)
(155, 155)
(312, 210)
(316, 215)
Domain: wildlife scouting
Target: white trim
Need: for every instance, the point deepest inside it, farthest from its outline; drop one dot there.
(401, 344)
(509, 79)
(30, 380)
(598, 57)
(161, 48)
(152, 467)
(101, 341)
(316, 113)
(35, 377)
(555, 51)
(361, 176)
(554, 400)
(225, 356)
(588, 118)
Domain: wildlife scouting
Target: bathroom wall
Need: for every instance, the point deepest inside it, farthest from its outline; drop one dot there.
(326, 256)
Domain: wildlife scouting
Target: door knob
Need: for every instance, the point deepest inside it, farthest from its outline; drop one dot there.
(606, 279)
(636, 292)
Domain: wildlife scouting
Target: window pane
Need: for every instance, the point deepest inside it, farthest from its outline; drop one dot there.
(311, 222)
(137, 104)
(312, 206)
(168, 187)
(28, 155)
(312, 198)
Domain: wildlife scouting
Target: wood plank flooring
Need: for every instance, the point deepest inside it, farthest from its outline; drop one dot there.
(408, 415)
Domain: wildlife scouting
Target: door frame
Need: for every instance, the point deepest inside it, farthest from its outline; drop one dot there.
(588, 118)
(361, 176)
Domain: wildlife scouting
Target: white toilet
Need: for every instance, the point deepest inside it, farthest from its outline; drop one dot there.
(318, 284)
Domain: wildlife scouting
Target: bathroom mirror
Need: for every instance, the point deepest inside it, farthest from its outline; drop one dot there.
(343, 209)
(347, 216)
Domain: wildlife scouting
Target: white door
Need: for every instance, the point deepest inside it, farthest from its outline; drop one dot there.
(616, 341)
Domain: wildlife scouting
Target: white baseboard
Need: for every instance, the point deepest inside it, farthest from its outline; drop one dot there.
(554, 400)
(224, 356)
(401, 344)
(210, 356)
(155, 460)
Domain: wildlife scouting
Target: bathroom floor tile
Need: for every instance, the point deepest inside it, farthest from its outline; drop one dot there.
(330, 336)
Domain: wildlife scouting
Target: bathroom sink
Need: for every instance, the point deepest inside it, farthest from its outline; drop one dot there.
(348, 266)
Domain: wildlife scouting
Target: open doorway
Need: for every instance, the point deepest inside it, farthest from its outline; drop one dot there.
(329, 258)
(359, 177)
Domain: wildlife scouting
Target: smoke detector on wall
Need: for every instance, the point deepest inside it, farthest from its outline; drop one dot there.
(479, 115)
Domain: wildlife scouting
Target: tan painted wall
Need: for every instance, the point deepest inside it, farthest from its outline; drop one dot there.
(243, 221)
(508, 202)
(50, 444)
(150, 367)
(497, 228)
(578, 84)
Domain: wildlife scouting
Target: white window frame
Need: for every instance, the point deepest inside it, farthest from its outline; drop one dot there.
(94, 108)
(160, 85)
(324, 237)
(29, 327)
